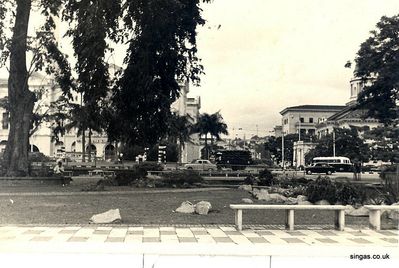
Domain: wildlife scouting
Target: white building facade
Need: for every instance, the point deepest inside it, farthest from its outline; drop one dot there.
(188, 106)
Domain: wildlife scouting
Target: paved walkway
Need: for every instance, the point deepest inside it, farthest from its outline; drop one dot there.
(206, 238)
(194, 246)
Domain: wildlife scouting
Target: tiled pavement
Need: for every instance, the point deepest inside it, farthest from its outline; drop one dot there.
(181, 236)
(198, 246)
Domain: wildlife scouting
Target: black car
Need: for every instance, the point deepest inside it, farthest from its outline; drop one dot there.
(320, 168)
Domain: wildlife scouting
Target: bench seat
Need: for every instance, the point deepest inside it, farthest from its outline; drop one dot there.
(289, 209)
(375, 214)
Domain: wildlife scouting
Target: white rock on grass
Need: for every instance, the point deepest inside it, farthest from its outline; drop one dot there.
(262, 194)
(273, 198)
(110, 216)
(277, 198)
(203, 207)
(186, 207)
(245, 187)
(304, 203)
(291, 201)
(247, 201)
(322, 202)
(302, 198)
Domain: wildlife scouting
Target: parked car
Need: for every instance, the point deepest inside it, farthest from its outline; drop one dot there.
(370, 169)
(320, 168)
(201, 164)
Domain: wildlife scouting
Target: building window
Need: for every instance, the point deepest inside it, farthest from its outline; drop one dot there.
(6, 120)
(311, 132)
(310, 119)
(302, 120)
(285, 121)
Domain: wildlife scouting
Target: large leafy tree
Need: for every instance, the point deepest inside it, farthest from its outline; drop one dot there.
(44, 54)
(162, 51)
(92, 23)
(348, 143)
(378, 57)
(273, 146)
(384, 143)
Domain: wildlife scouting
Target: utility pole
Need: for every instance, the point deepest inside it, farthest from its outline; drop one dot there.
(333, 142)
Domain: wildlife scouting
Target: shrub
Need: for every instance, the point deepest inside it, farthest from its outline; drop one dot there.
(350, 194)
(390, 184)
(345, 193)
(321, 188)
(149, 166)
(38, 157)
(250, 179)
(181, 177)
(266, 178)
(293, 182)
(126, 177)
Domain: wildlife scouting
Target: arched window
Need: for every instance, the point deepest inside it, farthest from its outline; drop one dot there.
(73, 146)
(109, 152)
(34, 149)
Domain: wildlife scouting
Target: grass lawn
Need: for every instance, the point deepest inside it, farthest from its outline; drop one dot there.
(144, 207)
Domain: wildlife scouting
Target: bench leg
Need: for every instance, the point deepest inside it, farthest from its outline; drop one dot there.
(340, 220)
(289, 219)
(238, 219)
(375, 219)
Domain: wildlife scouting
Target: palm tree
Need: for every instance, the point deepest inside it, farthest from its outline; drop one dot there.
(76, 116)
(180, 130)
(212, 124)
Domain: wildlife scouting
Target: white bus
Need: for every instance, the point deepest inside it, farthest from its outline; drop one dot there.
(340, 163)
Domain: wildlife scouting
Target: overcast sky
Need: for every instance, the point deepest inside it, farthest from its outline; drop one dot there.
(267, 55)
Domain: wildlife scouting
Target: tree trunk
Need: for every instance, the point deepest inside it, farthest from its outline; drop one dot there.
(206, 146)
(89, 148)
(21, 99)
(83, 146)
(116, 152)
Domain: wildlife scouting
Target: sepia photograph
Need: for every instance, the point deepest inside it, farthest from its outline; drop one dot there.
(199, 133)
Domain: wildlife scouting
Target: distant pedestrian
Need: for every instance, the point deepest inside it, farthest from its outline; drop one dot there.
(357, 169)
(59, 171)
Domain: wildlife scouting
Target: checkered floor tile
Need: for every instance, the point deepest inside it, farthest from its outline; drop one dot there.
(201, 234)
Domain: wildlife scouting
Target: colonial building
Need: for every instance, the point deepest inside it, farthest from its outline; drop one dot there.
(188, 106)
(69, 144)
(304, 118)
(350, 115)
(321, 120)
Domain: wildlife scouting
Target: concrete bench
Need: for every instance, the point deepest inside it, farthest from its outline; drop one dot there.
(375, 214)
(289, 210)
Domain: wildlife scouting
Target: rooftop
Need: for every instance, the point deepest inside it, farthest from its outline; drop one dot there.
(333, 108)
